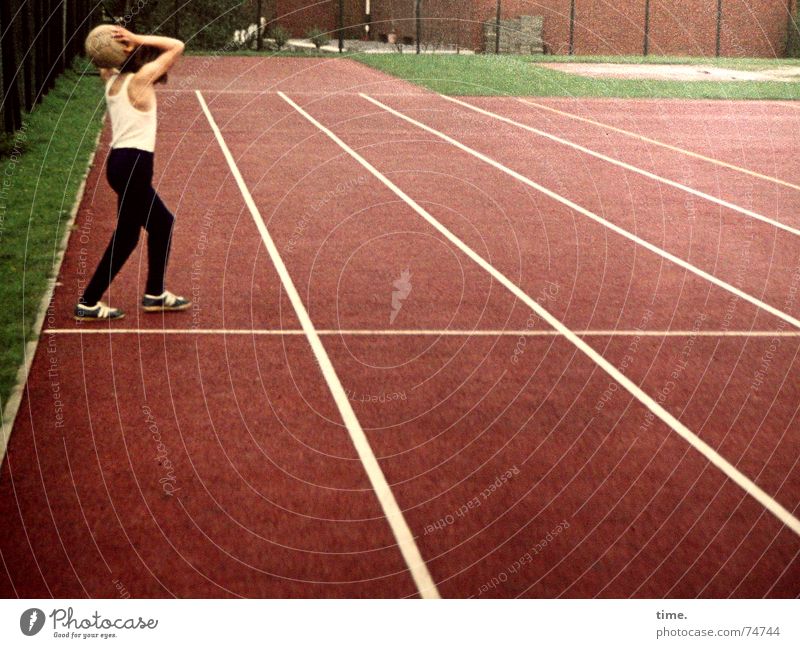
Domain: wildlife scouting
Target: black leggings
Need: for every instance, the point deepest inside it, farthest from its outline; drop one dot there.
(130, 174)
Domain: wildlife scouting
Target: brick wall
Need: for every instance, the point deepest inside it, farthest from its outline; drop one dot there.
(750, 27)
(602, 26)
(679, 27)
(397, 14)
(766, 36)
(447, 22)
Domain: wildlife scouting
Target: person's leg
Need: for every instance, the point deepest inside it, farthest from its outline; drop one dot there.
(158, 223)
(128, 176)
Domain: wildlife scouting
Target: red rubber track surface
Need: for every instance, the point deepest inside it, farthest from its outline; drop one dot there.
(521, 469)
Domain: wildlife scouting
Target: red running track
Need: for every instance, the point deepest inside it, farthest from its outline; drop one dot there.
(203, 454)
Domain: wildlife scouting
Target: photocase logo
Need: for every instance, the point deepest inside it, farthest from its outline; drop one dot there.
(31, 621)
(402, 289)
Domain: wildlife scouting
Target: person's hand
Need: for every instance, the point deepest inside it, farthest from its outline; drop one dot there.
(125, 37)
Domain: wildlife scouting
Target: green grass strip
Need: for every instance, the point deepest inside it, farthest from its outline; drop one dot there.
(41, 168)
(488, 75)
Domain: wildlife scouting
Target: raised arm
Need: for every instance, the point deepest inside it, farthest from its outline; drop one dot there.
(170, 48)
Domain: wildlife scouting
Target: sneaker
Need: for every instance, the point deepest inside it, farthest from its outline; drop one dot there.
(166, 301)
(98, 312)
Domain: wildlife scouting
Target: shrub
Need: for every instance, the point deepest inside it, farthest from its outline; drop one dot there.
(280, 35)
(318, 37)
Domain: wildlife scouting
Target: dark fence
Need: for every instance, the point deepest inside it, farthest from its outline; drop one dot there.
(38, 40)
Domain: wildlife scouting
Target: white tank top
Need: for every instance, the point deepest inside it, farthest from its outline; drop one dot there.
(130, 127)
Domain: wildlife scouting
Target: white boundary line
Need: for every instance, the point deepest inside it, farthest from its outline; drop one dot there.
(303, 93)
(656, 142)
(628, 167)
(426, 332)
(9, 414)
(589, 214)
(402, 533)
(784, 515)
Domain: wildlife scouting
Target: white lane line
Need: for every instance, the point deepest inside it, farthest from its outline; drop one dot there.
(664, 145)
(176, 331)
(303, 93)
(657, 410)
(589, 214)
(402, 533)
(426, 332)
(629, 167)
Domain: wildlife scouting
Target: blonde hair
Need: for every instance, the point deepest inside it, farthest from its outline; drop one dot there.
(103, 50)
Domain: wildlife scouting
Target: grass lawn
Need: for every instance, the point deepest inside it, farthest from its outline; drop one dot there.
(732, 63)
(519, 76)
(452, 74)
(41, 169)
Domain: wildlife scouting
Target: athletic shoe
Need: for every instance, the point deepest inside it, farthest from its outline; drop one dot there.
(98, 312)
(166, 301)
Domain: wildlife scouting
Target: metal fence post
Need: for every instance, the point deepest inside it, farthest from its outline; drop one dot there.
(572, 27)
(497, 29)
(341, 26)
(259, 35)
(418, 21)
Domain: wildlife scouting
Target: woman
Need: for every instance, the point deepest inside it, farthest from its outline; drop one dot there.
(131, 65)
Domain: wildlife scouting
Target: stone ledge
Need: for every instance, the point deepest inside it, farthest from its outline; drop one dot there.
(521, 35)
